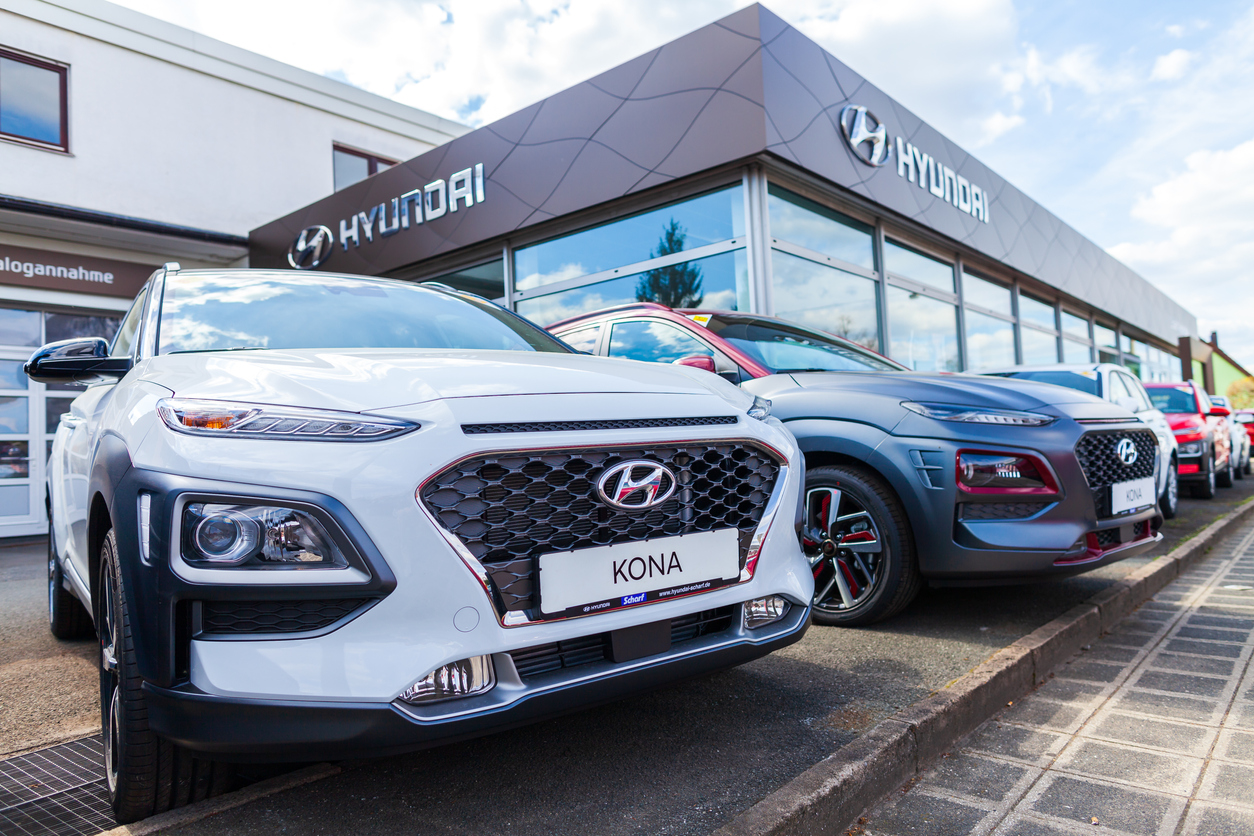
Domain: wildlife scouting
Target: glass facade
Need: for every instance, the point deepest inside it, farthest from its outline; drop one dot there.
(990, 341)
(827, 270)
(924, 331)
(683, 226)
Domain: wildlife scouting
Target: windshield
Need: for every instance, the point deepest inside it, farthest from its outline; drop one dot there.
(213, 312)
(1072, 380)
(1174, 399)
(784, 348)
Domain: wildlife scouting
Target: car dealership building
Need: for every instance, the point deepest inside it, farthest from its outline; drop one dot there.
(743, 167)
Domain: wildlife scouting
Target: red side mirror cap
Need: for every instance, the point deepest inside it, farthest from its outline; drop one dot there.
(697, 361)
(1220, 411)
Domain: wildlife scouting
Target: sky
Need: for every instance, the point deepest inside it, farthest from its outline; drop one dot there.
(1131, 121)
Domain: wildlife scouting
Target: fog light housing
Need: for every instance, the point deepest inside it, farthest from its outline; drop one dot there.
(466, 678)
(763, 611)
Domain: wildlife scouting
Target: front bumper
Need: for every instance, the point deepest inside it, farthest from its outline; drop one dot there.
(277, 730)
(1052, 539)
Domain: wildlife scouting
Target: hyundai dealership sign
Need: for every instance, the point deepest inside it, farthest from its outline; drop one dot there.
(868, 137)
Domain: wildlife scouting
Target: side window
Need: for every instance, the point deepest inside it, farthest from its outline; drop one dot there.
(583, 339)
(1138, 392)
(653, 341)
(1118, 389)
(126, 333)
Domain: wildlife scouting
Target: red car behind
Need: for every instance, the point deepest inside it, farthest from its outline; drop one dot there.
(1205, 444)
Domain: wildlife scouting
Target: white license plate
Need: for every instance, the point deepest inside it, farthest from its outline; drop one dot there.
(609, 577)
(1137, 493)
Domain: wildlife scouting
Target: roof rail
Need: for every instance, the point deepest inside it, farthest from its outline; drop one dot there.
(632, 306)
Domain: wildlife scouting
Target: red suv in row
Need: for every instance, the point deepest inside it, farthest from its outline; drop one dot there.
(1205, 444)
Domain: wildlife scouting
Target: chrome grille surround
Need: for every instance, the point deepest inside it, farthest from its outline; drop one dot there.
(506, 575)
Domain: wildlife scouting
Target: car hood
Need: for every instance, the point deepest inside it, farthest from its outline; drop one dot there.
(374, 379)
(959, 389)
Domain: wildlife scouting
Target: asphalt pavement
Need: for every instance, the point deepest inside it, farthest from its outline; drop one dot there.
(1149, 730)
(683, 760)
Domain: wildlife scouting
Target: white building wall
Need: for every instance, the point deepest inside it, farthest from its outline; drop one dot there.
(169, 126)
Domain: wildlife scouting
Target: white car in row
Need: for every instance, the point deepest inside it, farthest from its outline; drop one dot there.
(320, 516)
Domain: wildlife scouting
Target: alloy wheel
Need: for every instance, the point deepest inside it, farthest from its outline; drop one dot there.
(844, 548)
(110, 675)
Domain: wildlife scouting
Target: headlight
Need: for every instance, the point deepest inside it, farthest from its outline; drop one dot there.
(1192, 448)
(1013, 473)
(256, 537)
(761, 408)
(979, 415)
(243, 420)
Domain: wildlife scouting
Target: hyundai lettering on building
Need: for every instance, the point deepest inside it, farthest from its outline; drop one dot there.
(868, 137)
(315, 244)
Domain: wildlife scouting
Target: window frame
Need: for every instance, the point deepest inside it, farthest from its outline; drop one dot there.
(372, 162)
(63, 71)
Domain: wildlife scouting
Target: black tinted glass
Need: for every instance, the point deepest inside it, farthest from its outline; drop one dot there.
(781, 349)
(209, 312)
(1174, 399)
(67, 326)
(1072, 380)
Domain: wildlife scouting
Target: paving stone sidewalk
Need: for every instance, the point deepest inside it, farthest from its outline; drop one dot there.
(1150, 731)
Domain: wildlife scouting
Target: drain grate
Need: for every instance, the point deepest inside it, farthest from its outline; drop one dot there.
(59, 790)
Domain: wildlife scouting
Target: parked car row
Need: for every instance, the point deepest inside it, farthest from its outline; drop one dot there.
(316, 516)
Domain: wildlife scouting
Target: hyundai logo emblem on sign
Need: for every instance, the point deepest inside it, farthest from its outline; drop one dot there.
(853, 122)
(1127, 452)
(634, 486)
(311, 248)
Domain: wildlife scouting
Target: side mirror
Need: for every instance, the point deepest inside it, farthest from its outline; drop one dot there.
(84, 360)
(1129, 403)
(1220, 411)
(698, 361)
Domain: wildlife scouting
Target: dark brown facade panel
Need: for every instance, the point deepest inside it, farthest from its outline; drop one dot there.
(48, 270)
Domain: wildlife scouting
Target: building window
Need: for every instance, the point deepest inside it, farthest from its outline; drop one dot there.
(990, 341)
(985, 294)
(658, 233)
(1074, 352)
(825, 298)
(486, 280)
(721, 280)
(1039, 348)
(822, 231)
(924, 331)
(33, 101)
(914, 265)
(1107, 347)
(352, 165)
(1074, 325)
(1036, 312)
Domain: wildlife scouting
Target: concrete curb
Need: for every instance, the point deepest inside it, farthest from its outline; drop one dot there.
(205, 809)
(829, 796)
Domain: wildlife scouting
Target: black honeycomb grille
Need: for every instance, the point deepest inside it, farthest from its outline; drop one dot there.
(509, 508)
(1000, 510)
(1103, 468)
(274, 616)
(577, 426)
(587, 650)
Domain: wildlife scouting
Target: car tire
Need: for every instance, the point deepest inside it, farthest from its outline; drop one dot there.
(1169, 502)
(1238, 471)
(875, 574)
(145, 774)
(1226, 478)
(1206, 489)
(67, 617)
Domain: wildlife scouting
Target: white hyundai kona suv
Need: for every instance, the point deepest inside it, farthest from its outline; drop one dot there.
(317, 516)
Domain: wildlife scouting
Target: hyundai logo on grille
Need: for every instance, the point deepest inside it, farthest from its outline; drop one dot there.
(1126, 451)
(636, 485)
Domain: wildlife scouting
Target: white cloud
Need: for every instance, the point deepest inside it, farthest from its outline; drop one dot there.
(1204, 256)
(1171, 66)
(997, 124)
(1175, 30)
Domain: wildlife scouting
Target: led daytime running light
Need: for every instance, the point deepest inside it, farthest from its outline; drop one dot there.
(761, 408)
(979, 415)
(233, 420)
